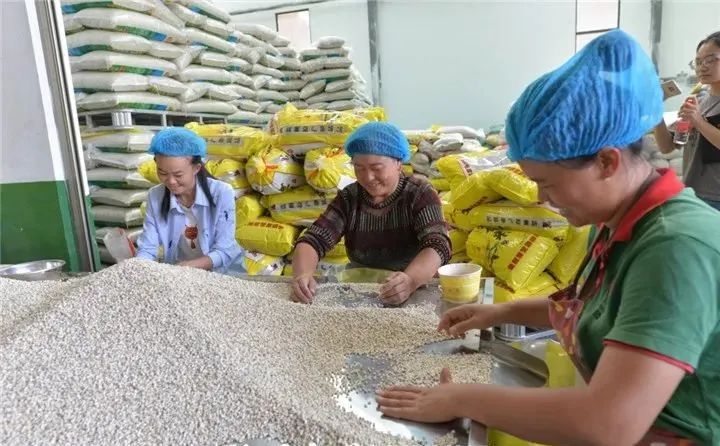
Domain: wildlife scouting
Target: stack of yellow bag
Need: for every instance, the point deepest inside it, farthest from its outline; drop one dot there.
(296, 175)
(529, 248)
(231, 141)
(299, 131)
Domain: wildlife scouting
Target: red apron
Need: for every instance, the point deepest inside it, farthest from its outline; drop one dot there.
(566, 305)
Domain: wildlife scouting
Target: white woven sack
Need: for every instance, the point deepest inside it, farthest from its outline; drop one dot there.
(85, 41)
(131, 22)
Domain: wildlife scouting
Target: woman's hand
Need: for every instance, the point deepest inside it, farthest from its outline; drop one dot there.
(467, 317)
(691, 112)
(397, 288)
(304, 287)
(426, 405)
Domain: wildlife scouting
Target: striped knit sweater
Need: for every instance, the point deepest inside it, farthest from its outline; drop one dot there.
(387, 235)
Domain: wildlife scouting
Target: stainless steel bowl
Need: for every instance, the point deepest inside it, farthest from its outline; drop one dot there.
(37, 270)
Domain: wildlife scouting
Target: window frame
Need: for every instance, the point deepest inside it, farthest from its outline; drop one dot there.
(293, 11)
(594, 31)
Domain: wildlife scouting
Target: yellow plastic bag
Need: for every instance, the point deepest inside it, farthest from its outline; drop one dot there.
(298, 207)
(458, 238)
(566, 264)
(541, 286)
(415, 137)
(473, 191)
(512, 183)
(247, 209)
(536, 219)
(232, 172)
(458, 219)
(148, 170)
(295, 126)
(258, 264)
(267, 236)
(272, 171)
(514, 257)
(561, 370)
(328, 266)
(455, 217)
(440, 184)
(232, 141)
(205, 130)
(407, 170)
(329, 169)
(458, 166)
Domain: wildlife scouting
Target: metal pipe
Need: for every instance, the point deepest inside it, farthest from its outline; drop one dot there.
(656, 11)
(49, 18)
(373, 36)
(279, 6)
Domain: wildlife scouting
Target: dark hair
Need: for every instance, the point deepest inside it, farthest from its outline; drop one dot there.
(202, 178)
(635, 150)
(712, 38)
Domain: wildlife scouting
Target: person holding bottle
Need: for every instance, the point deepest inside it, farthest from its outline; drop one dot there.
(701, 155)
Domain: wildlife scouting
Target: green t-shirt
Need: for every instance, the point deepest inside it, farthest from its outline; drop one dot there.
(661, 292)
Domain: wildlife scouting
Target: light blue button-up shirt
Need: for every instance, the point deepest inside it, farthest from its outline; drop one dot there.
(216, 226)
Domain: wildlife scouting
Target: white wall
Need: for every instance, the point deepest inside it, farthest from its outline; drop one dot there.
(28, 152)
(465, 62)
(635, 20)
(684, 24)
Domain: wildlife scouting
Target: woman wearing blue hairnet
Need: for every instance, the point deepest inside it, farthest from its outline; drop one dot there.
(701, 156)
(389, 221)
(190, 215)
(640, 321)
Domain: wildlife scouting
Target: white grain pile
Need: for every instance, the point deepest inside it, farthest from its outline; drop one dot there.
(148, 353)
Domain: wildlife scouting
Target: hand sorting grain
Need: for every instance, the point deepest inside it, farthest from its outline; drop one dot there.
(150, 353)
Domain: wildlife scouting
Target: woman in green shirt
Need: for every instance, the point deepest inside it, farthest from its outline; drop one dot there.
(641, 320)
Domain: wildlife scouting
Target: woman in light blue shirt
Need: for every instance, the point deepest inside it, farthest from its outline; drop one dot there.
(191, 215)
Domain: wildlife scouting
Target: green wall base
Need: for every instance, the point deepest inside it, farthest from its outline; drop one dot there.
(35, 223)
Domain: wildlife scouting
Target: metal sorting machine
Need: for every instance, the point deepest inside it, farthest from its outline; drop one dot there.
(520, 364)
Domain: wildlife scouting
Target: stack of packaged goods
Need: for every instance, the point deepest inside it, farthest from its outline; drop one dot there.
(123, 54)
(445, 149)
(295, 176)
(271, 81)
(117, 189)
(497, 223)
(332, 82)
(210, 69)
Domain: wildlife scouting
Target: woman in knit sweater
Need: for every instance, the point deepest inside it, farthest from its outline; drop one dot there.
(389, 221)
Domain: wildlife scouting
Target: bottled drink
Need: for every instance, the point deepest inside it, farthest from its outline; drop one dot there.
(683, 127)
(682, 132)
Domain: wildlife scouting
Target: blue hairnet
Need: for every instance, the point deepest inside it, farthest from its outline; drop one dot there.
(378, 138)
(177, 141)
(608, 94)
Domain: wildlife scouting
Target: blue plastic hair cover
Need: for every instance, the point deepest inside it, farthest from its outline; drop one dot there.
(378, 138)
(177, 141)
(607, 95)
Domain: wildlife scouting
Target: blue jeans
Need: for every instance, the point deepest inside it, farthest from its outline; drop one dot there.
(715, 204)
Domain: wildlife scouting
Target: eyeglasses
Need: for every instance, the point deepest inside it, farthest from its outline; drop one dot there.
(705, 61)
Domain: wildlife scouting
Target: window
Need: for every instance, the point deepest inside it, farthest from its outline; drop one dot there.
(593, 18)
(295, 25)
